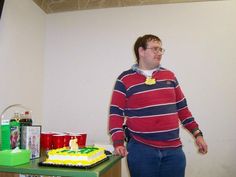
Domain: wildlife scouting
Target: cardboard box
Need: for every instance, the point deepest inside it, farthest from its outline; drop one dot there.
(30, 139)
(10, 135)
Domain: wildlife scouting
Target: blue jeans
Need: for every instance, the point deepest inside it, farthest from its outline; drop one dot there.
(147, 161)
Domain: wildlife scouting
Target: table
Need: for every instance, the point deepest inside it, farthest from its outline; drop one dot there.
(109, 168)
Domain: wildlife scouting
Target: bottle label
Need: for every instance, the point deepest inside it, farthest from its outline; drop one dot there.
(15, 136)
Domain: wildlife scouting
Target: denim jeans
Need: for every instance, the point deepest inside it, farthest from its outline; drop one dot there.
(147, 161)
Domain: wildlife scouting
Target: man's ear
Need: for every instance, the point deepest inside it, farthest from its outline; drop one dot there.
(141, 51)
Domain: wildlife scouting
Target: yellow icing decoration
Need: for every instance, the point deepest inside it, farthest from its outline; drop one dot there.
(150, 81)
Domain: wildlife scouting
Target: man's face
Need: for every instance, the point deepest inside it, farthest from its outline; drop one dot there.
(150, 57)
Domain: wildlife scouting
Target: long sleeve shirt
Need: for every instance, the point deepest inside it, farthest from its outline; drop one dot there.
(152, 112)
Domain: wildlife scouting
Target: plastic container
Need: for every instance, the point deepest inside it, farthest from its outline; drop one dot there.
(14, 157)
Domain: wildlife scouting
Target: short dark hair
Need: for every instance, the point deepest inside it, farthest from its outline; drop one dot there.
(142, 42)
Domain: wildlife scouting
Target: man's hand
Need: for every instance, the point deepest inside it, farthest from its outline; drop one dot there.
(121, 150)
(202, 146)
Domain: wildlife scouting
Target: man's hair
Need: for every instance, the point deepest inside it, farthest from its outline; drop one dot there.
(142, 42)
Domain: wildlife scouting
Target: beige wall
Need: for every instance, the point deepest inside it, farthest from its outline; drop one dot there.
(22, 30)
(86, 50)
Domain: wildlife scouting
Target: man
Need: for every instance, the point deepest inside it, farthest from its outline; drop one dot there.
(149, 100)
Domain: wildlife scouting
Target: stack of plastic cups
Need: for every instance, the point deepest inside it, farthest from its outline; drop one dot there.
(82, 140)
(46, 142)
(52, 140)
(58, 141)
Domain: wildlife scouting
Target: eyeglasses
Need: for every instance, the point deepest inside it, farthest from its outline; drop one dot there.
(157, 49)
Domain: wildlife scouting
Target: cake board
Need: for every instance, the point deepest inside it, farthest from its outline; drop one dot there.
(43, 163)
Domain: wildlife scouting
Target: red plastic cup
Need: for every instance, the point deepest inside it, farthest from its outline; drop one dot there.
(82, 140)
(46, 140)
(58, 141)
(67, 139)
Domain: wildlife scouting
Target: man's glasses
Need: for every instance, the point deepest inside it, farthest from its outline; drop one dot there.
(157, 49)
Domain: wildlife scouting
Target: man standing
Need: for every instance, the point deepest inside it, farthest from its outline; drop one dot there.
(149, 100)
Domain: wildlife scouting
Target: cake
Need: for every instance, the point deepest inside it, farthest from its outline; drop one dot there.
(86, 156)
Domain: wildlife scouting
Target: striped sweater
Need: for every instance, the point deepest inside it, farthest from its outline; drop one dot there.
(153, 112)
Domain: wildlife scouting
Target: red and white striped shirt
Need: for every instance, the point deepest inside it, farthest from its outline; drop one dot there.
(152, 112)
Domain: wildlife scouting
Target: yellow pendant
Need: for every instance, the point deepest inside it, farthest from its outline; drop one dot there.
(150, 81)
